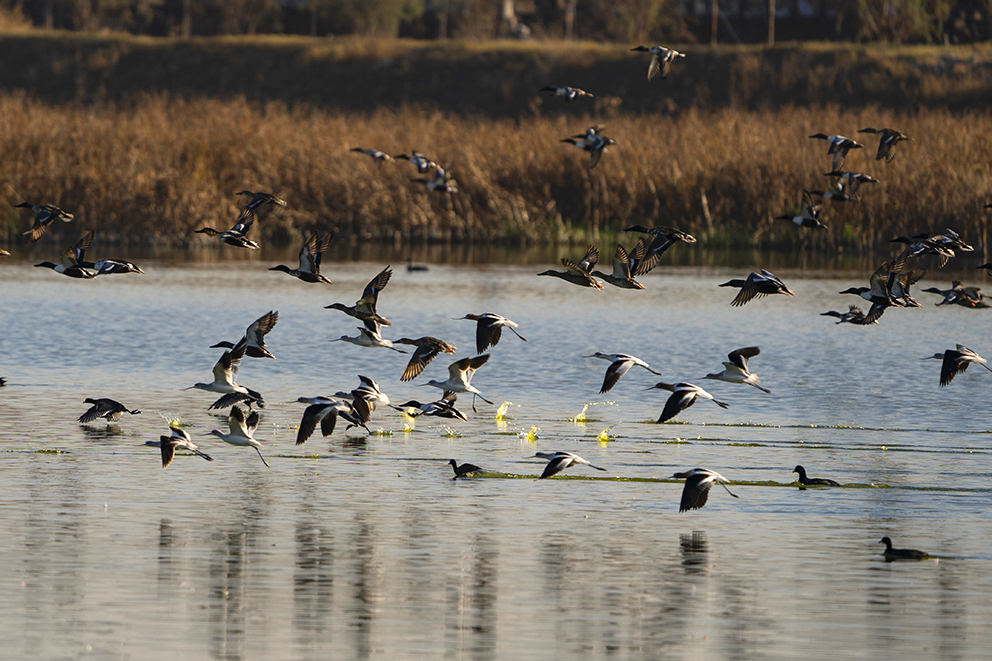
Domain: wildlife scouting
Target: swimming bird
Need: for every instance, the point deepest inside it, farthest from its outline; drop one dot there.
(661, 60)
(242, 431)
(460, 377)
(422, 163)
(369, 337)
(570, 93)
(310, 254)
(44, 215)
(683, 396)
(326, 410)
(736, 370)
(809, 213)
(427, 349)
(411, 267)
(854, 315)
(662, 239)
(956, 360)
(813, 481)
(254, 336)
(853, 179)
(463, 470)
(901, 554)
(839, 147)
(489, 329)
(68, 265)
(179, 440)
(258, 200)
(620, 364)
(442, 408)
(592, 142)
(888, 139)
(756, 286)
(109, 409)
(581, 273)
(364, 308)
(441, 183)
(698, 483)
(378, 157)
(559, 461)
(621, 276)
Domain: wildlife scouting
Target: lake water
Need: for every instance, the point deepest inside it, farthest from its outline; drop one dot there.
(358, 546)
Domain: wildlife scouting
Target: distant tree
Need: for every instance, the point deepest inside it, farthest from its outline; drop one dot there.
(245, 16)
(902, 20)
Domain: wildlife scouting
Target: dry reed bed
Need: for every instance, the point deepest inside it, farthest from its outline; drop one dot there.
(162, 167)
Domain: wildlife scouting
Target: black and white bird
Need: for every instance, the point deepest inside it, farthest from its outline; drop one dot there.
(442, 408)
(593, 142)
(179, 440)
(956, 360)
(662, 238)
(839, 147)
(570, 93)
(559, 461)
(460, 377)
(378, 157)
(620, 364)
(242, 431)
(698, 483)
(489, 329)
(757, 285)
(661, 60)
(736, 370)
(254, 336)
(325, 411)
(809, 213)
(887, 141)
(109, 409)
(854, 315)
(683, 396)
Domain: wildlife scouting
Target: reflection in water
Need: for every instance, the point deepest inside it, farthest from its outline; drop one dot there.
(102, 433)
(167, 572)
(695, 559)
(313, 582)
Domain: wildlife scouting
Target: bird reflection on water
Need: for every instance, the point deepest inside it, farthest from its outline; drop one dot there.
(695, 558)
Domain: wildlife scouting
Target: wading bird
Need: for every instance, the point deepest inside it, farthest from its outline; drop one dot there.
(698, 483)
(442, 408)
(460, 377)
(956, 360)
(326, 410)
(179, 440)
(559, 461)
(369, 337)
(489, 329)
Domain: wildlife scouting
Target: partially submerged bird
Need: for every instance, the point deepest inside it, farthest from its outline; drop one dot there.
(570, 93)
(839, 147)
(662, 238)
(460, 377)
(683, 396)
(364, 308)
(592, 142)
(68, 264)
(757, 285)
(736, 370)
(698, 483)
(179, 440)
(310, 254)
(809, 213)
(887, 141)
(661, 60)
(813, 481)
(559, 461)
(956, 360)
(463, 470)
(901, 554)
(242, 431)
(427, 349)
(378, 157)
(44, 215)
(620, 364)
(581, 273)
(254, 336)
(622, 266)
(442, 408)
(109, 409)
(489, 329)
(854, 315)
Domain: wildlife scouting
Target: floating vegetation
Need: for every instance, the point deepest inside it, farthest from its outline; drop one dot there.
(52, 451)
(581, 418)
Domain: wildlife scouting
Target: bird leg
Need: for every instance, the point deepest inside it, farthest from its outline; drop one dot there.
(262, 458)
(728, 490)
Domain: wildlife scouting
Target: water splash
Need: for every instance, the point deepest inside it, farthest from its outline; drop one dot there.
(501, 411)
(530, 436)
(605, 437)
(581, 418)
(408, 428)
(448, 432)
(379, 431)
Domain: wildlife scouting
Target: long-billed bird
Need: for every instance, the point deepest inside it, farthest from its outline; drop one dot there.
(254, 336)
(179, 440)
(310, 255)
(427, 349)
(887, 141)
(460, 377)
(662, 238)
(620, 364)
(365, 307)
(698, 483)
(736, 370)
(581, 273)
(683, 396)
(956, 360)
(326, 411)
(242, 431)
(489, 329)
(442, 408)
(661, 60)
(559, 461)
(44, 215)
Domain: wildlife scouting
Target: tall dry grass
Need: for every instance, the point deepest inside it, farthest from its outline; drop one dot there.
(163, 167)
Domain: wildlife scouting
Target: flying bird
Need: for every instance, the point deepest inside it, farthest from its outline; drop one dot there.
(661, 60)
(109, 409)
(956, 360)
(683, 396)
(254, 336)
(570, 93)
(310, 254)
(620, 364)
(489, 329)
(698, 483)
(756, 286)
(179, 440)
(559, 461)
(887, 141)
(44, 215)
(736, 370)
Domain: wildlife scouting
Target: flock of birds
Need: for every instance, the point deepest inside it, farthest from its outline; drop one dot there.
(889, 286)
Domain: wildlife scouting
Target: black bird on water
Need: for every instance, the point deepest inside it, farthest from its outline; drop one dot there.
(901, 554)
(813, 481)
(463, 470)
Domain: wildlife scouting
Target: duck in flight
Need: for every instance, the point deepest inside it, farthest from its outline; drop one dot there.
(421, 162)
(44, 215)
(813, 481)
(757, 285)
(441, 183)
(620, 364)
(581, 273)
(854, 315)
(68, 264)
(901, 554)
(661, 60)
(427, 349)
(736, 370)
(662, 238)
(254, 336)
(887, 141)
(809, 213)
(257, 201)
(570, 93)
(839, 147)
(623, 265)
(365, 307)
(109, 409)
(698, 483)
(242, 431)
(310, 254)
(956, 360)
(592, 142)
(489, 329)
(683, 396)
(378, 157)
(559, 461)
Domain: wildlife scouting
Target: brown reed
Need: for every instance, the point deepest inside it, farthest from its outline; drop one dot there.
(162, 166)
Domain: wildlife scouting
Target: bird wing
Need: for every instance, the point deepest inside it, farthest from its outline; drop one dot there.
(621, 263)
(740, 356)
(251, 424)
(487, 333)
(558, 463)
(613, 373)
(308, 253)
(311, 416)
(679, 401)
(260, 328)
(424, 354)
(695, 492)
(655, 67)
(748, 291)
(371, 292)
(590, 259)
(168, 446)
(666, 67)
(236, 421)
